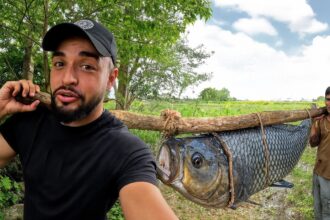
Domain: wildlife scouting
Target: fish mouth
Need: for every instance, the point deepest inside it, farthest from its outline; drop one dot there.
(167, 164)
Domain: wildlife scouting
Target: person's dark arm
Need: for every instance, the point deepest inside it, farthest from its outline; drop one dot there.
(315, 135)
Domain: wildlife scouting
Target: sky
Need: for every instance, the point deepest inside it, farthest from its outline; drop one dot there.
(266, 49)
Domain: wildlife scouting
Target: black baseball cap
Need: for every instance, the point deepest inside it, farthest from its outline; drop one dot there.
(102, 39)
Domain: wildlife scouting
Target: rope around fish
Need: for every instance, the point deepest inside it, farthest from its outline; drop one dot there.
(230, 167)
(266, 149)
(230, 160)
(172, 119)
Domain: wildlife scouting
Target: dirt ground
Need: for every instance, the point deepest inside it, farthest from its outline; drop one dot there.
(271, 205)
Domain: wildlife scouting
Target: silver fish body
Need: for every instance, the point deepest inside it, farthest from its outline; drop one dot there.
(197, 166)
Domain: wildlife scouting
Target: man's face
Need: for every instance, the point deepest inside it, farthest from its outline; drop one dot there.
(79, 79)
(327, 102)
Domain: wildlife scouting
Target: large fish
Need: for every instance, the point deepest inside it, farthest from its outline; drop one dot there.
(197, 166)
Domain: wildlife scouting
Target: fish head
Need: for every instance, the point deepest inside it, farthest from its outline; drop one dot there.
(195, 168)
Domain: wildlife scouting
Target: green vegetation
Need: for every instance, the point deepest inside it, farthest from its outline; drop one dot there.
(212, 94)
(116, 212)
(293, 203)
(10, 192)
(276, 203)
(153, 54)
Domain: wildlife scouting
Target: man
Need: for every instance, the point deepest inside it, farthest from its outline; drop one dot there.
(320, 136)
(77, 158)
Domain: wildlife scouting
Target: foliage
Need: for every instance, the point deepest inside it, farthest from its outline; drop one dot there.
(11, 189)
(212, 94)
(320, 98)
(10, 192)
(116, 212)
(146, 40)
(296, 202)
(13, 170)
(150, 52)
(301, 198)
(170, 77)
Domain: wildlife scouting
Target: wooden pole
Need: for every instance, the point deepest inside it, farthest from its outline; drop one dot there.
(171, 122)
(226, 123)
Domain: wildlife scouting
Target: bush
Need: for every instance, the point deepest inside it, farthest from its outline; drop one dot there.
(13, 170)
(116, 212)
(10, 192)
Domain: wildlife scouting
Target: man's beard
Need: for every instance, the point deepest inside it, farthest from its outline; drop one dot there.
(81, 112)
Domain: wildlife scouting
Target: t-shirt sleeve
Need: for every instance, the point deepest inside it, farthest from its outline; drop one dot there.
(19, 131)
(140, 165)
(10, 131)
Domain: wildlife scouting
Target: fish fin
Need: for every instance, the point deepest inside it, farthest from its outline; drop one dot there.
(282, 184)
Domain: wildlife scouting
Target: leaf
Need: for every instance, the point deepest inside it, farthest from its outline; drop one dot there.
(6, 183)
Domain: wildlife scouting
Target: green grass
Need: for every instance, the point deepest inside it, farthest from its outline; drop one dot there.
(275, 203)
(293, 203)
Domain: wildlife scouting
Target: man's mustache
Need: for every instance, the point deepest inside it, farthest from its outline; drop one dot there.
(68, 88)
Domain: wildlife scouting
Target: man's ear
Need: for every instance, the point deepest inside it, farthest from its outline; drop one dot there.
(112, 78)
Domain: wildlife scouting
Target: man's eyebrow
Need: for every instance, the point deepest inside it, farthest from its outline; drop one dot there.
(89, 54)
(57, 53)
(82, 53)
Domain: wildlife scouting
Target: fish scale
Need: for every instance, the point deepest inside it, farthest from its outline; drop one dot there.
(286, 143)
(197, 166)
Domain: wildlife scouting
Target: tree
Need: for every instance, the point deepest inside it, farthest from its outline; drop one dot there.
(22, 27)
(320, 98)
(146, 32)
(212, 94)
(171, 76)
(224, 94)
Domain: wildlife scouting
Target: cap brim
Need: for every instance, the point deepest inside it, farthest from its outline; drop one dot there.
(60, 32)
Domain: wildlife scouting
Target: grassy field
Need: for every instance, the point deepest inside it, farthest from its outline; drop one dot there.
(274, 203)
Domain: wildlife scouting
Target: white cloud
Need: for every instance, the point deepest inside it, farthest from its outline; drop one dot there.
(255, 26)
(255, 71)
(297, 14)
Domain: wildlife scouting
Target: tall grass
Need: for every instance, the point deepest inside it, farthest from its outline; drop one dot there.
(295, 203)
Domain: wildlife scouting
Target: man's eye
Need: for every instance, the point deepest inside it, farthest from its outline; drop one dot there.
(58, 64)
(87, 67)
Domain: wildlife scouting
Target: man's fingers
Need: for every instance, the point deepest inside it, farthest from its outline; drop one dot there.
(37, 88)
(34, 104)
(26, 88)
(16, 88)
(30, 107)
(32, 88)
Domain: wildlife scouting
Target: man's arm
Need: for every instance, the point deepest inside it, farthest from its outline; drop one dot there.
(9, 105)
(315, 136)
(6, 152)
(142, 200)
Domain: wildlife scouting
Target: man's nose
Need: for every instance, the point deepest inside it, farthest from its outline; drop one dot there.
(70, 76)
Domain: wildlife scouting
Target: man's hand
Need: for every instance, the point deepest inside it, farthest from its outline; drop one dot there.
(8, 103)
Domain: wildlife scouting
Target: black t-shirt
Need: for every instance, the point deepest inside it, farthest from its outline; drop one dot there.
(75, 172)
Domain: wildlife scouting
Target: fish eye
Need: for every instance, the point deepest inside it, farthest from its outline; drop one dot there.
(197, 160)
